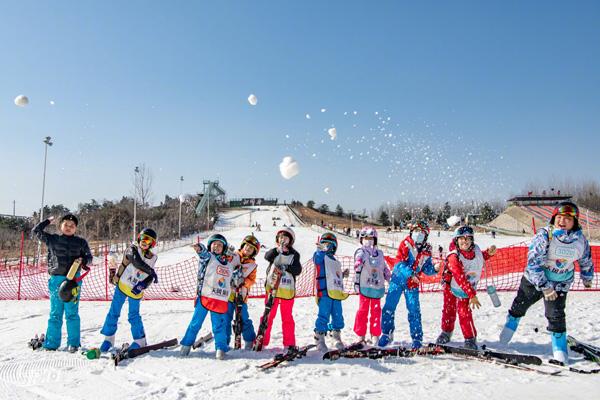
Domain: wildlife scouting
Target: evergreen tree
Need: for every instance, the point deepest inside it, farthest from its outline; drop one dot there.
(339, 211)
(384, 219)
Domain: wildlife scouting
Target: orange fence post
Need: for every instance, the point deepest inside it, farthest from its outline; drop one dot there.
(20, 266)
(106, 272)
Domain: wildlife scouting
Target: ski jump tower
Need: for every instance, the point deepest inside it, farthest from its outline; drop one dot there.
(212, 196)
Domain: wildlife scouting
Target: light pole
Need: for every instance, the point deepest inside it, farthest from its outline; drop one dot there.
(48, 142)
(180, 202)
(135, 187)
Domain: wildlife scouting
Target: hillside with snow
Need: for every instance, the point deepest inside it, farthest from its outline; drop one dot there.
(164, 375)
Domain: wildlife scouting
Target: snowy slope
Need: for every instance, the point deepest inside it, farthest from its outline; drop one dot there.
(162, 374)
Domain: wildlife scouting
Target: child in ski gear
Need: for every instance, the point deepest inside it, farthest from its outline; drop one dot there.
(330, 292)
(244, 276)
(63, 250)
(286, 260)
(214, 287)
(371, 273)
(134, 275)
(413, 258)
(464, 264)
(549, 274)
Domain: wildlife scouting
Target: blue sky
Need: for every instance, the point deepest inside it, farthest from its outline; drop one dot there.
(482, 97)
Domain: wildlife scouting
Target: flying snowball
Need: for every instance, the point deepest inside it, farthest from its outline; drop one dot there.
(21, 100)
(289, 167)
(323, 109)
(307, 116)
(252, 100)
(326, 190)
(51, 102)
(332, 133)
(453, 220)
(181, 198)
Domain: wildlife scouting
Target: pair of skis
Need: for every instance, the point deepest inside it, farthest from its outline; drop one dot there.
(264, 321)
(285, 357)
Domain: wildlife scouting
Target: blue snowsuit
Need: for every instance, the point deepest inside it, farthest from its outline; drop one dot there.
(328, 308)
(218, 320)
(401, 274)
(134, 318)
(55, 320)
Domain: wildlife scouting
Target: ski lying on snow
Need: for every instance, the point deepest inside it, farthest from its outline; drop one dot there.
(590, 353)
(399, 351)
(125, 353)
(203, 340)
(289, 356)
(573, 369)
(335, 354)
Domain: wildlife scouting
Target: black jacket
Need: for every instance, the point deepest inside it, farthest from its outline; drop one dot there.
(295, 269)
(62, 250)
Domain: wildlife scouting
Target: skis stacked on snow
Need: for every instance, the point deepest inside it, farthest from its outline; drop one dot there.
(335, 354)
(202, 341)
(289, 356)
(590, 352)
(37, 342)
(125, 353)
(517, 361)
(377, 352)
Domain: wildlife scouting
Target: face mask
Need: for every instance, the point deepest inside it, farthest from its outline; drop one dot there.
(368, 242)
(420, 237)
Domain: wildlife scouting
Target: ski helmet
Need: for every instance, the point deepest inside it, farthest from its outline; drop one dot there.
(252, 241)
(149, 235)
(217, 237)
(330, 238)
(463, 231)
(422, 225)
(68, 291)
(368, 231)
(289, 233)
(566, 208)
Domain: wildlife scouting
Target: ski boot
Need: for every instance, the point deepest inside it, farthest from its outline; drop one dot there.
(444, 338)
(386, 339)
(471, 343)
(509, 329)
(72, 349)
(361, 339)
(185, 350)
(137, 343)
(559, 347)
(220, 355)
(248, 345)
(374, 340)
(416, 345)
(292, 349)
(107, 344)
(337, 339)
(320, 342)
(37, 342)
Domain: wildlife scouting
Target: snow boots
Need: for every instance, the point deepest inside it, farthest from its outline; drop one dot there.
(471, 343)
(185, 350)
(320, 342)
(107, 344)
(559, 347)
(509, 329)
(337, 339)
(444, 338)
(384, 340)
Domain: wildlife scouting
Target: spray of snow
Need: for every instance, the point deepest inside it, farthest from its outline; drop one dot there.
(252, 100)
(332, 133)
(453, 220)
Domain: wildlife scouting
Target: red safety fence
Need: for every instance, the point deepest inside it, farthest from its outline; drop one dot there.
(178, 281)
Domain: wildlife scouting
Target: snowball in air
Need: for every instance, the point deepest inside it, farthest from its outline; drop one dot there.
(323, 109)
(51, 102)
(181, 198)
(332, 133)
(453, 220)
(252, 100)
(21, 100)
(307, 116)
(289, 167)
(326, 190)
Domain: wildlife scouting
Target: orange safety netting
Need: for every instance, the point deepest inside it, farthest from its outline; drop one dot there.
(178, 281)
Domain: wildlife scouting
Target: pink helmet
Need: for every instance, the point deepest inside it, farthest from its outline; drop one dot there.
(368, 231)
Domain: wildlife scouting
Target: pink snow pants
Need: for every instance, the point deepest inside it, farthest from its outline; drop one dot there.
(365, 305)
(288, 325)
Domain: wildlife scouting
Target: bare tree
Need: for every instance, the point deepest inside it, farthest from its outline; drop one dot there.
(142, 183)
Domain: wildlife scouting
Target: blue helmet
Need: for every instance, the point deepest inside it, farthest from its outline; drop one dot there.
(217, 237)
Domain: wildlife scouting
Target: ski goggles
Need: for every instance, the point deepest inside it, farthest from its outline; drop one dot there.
(147, 240)
(464, 231)
(567, 210)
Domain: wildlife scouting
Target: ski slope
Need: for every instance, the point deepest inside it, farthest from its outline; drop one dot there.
(164, 375)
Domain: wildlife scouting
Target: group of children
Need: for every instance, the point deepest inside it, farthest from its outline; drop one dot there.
(224, 274)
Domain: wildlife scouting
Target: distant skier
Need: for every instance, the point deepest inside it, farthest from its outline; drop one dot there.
(63, 250)
(214, 287)
(549, 274)
(371, 272)
(330, 292)
(244, 276)
(134, 275)
(464, 264)
(413, 258)
(287, 260)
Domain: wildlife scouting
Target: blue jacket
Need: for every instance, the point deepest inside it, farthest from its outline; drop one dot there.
(538, 254)
(319, 260)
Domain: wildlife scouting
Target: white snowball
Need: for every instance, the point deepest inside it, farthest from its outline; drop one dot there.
(332, 133)
(307, 116)
(326, 190)
(252, 100)
(453, 220)
(181, 198)
(323, 109)
(51, 102)
(21, 100)
(289, 167)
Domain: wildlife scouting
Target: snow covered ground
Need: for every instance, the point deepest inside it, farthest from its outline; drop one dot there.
(162, 374)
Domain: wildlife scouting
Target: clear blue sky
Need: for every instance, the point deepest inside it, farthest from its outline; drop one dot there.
(482, 97)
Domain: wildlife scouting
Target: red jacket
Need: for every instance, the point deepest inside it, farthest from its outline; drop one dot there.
(456, 270)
